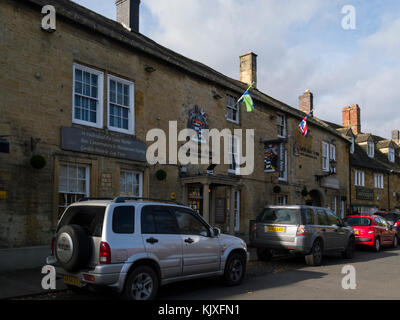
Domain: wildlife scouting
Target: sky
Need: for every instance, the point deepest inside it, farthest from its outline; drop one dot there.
(301, 45)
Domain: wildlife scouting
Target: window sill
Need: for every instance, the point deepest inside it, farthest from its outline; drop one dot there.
(233, 121)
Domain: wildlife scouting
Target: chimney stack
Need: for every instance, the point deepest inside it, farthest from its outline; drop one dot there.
(306, 102)
(248, 69)
(396, 136)
(128, 13)
(352, 118)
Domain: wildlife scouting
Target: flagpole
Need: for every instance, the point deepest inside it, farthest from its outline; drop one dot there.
(251, 86)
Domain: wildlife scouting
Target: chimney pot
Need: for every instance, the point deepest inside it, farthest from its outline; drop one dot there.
(248, 69)
(128, 13)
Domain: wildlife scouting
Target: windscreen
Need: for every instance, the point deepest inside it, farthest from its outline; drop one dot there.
(280, 216)
(357, 222)
(89, 217)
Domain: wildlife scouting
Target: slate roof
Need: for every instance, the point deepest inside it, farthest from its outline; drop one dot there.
(90, 20)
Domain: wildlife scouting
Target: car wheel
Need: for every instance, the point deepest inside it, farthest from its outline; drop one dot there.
(264, 254)
(377, 245)
(142, 284)
(348, 253)
(315, 257)
(395, 242)
(235, 269)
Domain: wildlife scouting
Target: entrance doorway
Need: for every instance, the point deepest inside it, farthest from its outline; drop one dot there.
(315, 199)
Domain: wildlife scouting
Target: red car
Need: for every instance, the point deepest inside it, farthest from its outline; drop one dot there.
(371, 230)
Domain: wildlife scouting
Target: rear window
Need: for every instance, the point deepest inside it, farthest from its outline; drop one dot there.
(90, 218)
(124, 220)
(279, 216)
(357, 222)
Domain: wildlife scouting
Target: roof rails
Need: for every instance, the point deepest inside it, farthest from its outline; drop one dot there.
(89, 198)
(123, 199)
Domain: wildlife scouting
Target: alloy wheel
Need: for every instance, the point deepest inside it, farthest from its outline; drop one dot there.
(142, 287)
(236, 270)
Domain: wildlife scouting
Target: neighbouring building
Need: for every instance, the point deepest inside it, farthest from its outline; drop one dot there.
(77, 105)
(375, 166)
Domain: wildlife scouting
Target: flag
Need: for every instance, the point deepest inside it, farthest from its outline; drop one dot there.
(246, 98)
(303, 126)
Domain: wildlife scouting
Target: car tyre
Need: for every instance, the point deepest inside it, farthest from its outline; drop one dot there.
(348, 253)
(142, 284)
(377, 245)
(395, 242)
(264, 254)
(235, 269)
(315, 257)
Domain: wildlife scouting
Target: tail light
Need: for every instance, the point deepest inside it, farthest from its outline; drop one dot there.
(105, 253)
(301, 231)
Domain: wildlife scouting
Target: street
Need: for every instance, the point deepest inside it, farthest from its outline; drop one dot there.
(284, 278)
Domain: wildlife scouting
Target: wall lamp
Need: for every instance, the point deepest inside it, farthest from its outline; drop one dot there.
(216, 95)
(149, 69)
(332, 171)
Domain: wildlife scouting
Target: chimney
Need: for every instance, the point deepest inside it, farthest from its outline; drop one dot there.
(248, 69)
(396, 136)
(306, 103)
(352, 118)
(128, 13)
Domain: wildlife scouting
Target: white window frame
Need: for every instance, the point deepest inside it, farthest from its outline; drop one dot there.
(237, 211)
(379, 181)
(342, 208)
(283, 200)
(334, 205)
(131, 108)
(100, 93)
(86, 193)
(325, 156)
(391, 155)
(140, 182)
(234, 149)
(281, 125)
(235, 109)
(370, 149)
(359, 178)
(352, 147)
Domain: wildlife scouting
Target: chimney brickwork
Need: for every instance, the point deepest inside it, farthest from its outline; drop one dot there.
(306, 102)
(248, 69)
(352, 118)
(128, 13)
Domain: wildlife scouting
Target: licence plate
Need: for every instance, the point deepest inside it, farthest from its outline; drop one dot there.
(73, 281)
(274, 229)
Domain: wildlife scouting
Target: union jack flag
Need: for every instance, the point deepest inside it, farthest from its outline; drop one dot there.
(303, 126)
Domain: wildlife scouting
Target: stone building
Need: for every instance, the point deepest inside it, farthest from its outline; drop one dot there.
(77, 106)
(375, 166)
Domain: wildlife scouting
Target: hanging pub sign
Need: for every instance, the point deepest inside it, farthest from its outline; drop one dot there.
(274, 157)
(271, 155)
(198, 121)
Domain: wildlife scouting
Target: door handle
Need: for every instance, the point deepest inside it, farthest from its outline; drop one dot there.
(189, 240)
(152, 240)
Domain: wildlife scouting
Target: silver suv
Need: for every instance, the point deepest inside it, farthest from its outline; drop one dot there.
(305, 230)
(135, 245)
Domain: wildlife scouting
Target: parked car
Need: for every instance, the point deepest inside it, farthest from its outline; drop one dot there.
(373, 231)
(136, 245)
(393, 218)
(305, 230)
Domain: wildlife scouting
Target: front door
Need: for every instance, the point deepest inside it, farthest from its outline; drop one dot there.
(160, 234)
(201, 252)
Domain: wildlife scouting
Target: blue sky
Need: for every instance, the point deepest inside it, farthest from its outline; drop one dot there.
(300, 45)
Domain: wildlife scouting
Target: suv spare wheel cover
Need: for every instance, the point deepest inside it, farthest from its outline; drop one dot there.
(65, 247)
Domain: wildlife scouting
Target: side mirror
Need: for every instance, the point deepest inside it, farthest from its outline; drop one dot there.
(216, 232)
